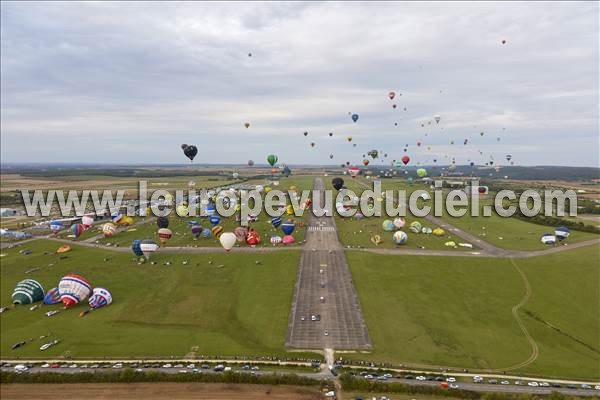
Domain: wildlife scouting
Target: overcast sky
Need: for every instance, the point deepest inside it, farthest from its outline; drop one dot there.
(130, 82)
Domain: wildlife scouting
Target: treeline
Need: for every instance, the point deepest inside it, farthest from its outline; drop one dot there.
(555, 221)
(117, 172)
(129, 376)
(352, 384)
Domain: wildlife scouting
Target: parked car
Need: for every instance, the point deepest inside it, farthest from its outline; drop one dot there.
(421, 378)
(533, 384)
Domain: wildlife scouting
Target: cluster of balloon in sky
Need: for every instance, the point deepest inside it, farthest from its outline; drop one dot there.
(425, 152)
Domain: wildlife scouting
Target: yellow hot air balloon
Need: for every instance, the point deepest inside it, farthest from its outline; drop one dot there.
(289, 210)
(182, 210)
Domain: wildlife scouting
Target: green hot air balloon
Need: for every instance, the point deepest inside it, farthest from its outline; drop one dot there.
(421, 172)
(272, 159)
(27, 292)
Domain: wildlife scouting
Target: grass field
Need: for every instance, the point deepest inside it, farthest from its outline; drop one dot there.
(221, 304)
(506, 233)
(457, 311)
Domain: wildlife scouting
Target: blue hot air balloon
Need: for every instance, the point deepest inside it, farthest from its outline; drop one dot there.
(206, 233)
(288, 227)
(56, 226)
(211, 209)
(136, 247)
(276, 221)
(52, 297)
(215, 219)
(354, 117)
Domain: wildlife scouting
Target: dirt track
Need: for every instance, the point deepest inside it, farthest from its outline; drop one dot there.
(157, 391)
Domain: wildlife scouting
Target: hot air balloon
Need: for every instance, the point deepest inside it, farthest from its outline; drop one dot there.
(196, 230)
(305, 133)
(312, 144)
(87, 221)
(116, 217)
(190, 152)
(503, 41)
(125, 221)
(399, 222)
(227, 240)
(162, 221)
(562, 232)
(400, 237)
(164, 234)
(272, 159)
(253, 237)
(508, 157)
(247, 125)
(437, 119)
(109, 229)
(250, 163)
(240, 233)
(275, 239)
(421, 172)
(56, 226)
(405, 159)
(288, 239)
(365, 162)
(77, 229)
(438, 232)
(337, 183)
(148, 247)
(373, 154)
(73, 289)
(52, 297)
(288, 227)
(276, 221)
(548, 238)
(28, 291)
(415, 227)
(206, 233)
(100, 297)
(331, 156)
(391, 95)
(330, 134)
(354, 117)
(353, 171)
(136, 248)
(217, 231)
(215, 219)
(387, 225)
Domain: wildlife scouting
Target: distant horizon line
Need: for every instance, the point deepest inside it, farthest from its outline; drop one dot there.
(336, 166)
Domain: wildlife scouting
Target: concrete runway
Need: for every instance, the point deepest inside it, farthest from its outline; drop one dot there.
(324, 287)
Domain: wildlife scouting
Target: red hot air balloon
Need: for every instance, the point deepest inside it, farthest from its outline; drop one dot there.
(405, 159)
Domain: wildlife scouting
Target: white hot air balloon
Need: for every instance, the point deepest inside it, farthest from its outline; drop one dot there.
(148, 247)
(227, 240)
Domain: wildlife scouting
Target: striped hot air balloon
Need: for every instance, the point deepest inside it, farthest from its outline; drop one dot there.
(217, 231)
(164, 234)
(100, 297)
(276, 221)
(206, 233)
(52, 296)
(215, 219)
(116, 217)
(415, 227)
(288, 227)
(148, 247)
(73, 288)
(275, 239)
(77, 229)
(109, 229)
(28, 291)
